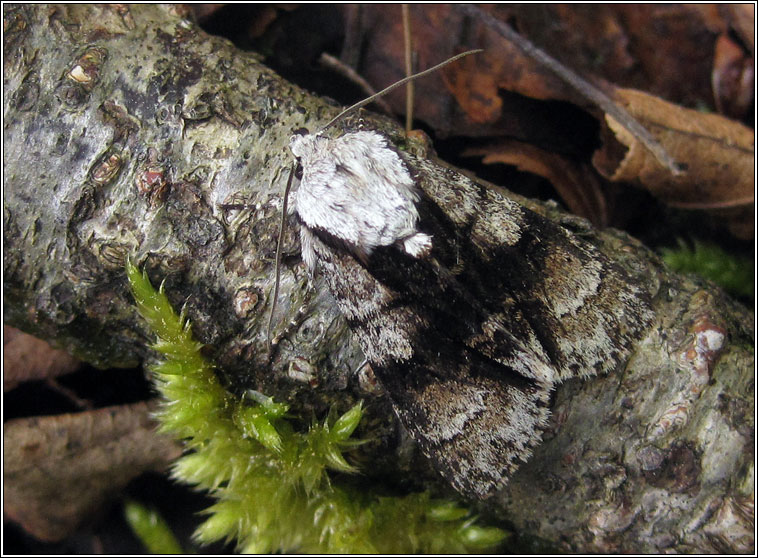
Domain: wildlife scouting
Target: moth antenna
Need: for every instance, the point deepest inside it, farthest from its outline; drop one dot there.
(397, 84)
(278, 257)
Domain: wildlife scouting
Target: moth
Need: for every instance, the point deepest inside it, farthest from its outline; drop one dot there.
(469, 307)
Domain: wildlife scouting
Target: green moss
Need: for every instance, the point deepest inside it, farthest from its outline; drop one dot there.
(151, 529)
(733, 273)
(273, 489)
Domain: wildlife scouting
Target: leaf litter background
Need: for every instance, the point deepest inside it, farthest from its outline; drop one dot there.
(686, 72)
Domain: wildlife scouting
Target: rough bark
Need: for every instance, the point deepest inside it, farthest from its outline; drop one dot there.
(130, 132)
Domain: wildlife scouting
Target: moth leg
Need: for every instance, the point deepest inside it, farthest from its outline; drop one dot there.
(307, 239)
(294, 323)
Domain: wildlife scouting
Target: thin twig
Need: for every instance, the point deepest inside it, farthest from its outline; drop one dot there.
(69, 394)
(343, 69)
(408, 67)
(727, 204)
(395, 85)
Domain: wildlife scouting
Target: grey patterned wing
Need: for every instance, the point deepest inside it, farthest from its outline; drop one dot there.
(469, 339)
(476, 418)
(553, 290)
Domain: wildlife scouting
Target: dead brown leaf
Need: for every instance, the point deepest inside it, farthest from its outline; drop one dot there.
(27, 358)
(718, 154)
(741, 18)
(662, 48)
(60, 470)
(472, 84)
(205, 10)
(733, 79)
(577, 184)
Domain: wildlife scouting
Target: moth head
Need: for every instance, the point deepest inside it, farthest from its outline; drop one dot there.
(300, 142)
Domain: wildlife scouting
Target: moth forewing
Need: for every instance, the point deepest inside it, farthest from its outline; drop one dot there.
(469, 311)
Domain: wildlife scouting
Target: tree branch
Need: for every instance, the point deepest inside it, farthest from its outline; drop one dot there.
(132, 132)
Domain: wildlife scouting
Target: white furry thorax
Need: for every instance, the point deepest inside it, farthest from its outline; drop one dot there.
(357, 189)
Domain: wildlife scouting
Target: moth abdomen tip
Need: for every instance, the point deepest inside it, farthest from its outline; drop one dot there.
(418, 245)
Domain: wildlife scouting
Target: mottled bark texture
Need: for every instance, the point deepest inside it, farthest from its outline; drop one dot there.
(130, 132)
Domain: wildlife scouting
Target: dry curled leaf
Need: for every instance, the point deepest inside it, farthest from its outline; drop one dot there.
(27, 358)
(577, 184)
(733, 79)
(662, 48)
(60, 470)
(717, 154)
(741, 18)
